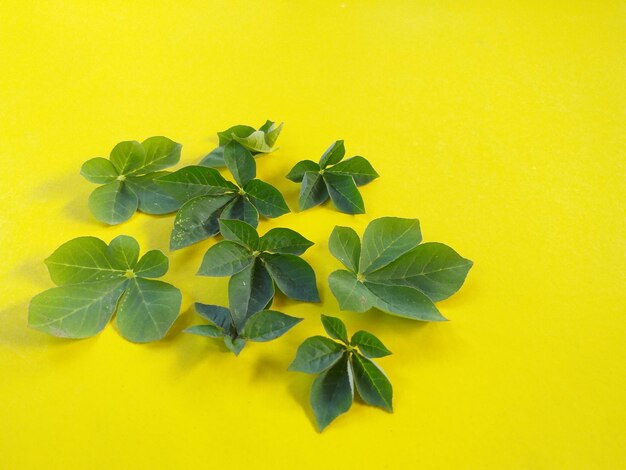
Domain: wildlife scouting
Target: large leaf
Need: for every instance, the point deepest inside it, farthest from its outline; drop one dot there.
(161, 153)
(214, 159)
(241, 209)
(404, 301)
(197, 220)
(351, 294)
(372, 383)
(345, 245)
(333, 154)
(153, 198)
(335, 328)
(240, 162)
(128, 157)
(316, 354)
(297, 172)
(369, 345)
(75, 311)
(99, 170)
(193, 181)
(313, 191)
(387, 238)
(147, 310)
(434, 268)
(267, 325)
(249, 291)
(225, 258)
(356, 167)
(284, 240)
(293, 276)
(123, 251)
(332, 393)
(153, 264)
(239, 232)
(344, 193)
(113, 203)
(266, 198)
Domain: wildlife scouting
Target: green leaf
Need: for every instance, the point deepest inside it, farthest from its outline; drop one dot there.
(293, 276)
(197, 220)
(297, 172)
(123, 251)
(285, 241)
(433, 268)
(345, 245)
(335, 328)
(357, 167)
(344, 193)
(239, 232)
(272, 133)
(350, 293)
(225, 258)
(240, 162)
(316, 354)
(313, 191)
(266, 198)
(372, 383)
(404, 301)
(332, 393)
(333, 154)
(369, 345)
(194, 181)
(161, 153)
(113, 203)
(152, 264)
(75, 311)
(239, 130)
(147, 310)
(255, 142)
(128, 157)
(249, 291)
(214, 159)
(217, 315)
(82, 259)
(210, 331)
(99, 170)
(234, 345)
(153, 198)
(241, 209)
(387, 238)
(267, 325)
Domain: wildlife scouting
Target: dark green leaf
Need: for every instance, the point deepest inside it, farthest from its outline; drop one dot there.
(153, 264)
(372, 383)
(214, 159)
(271, 133)
(99, 170)
(239, 232)
(333, 154)
(335, 328)
(387, 238)
(350, 293)
(313, 191)
(197, 220)
(128, 157)
(217, 315)
(297, 172)
(234, 345)
(316, 354)
(241, 209)
(123, 251)
(193, 181)
(357, 167)
(240, 162)
(210, 331)
(345, 245)
(404, 301)
(266, 198)
(332, 393)
(267, 325)
(369, 345)
(225, 258)
(161, 153)
(293, 276)
(344, 193)
(249, 291)
(113, 203)
(284, 240)
(153, 198)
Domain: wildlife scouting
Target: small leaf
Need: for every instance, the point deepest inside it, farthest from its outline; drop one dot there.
(316, 354)
(372, 383)
(333, 154)
(345, 245)
(210, 331)
(197, 220)
(99, 170)
(267, 325)
(266, 198)
(297, 172)
(351, 294)
(344, 193)
(313, 191)
(241, 209)
(357, 167)
(387, 238)
(239, 130)
(255, 142)
(234, 345)
(369, 345)
(152, 264)
(404, 301)
(123, 251)
(147, 310)
(225, 258)
(128, 156)
(293, 276)
(239, 232)
(194, 181)
(217, 315)
(161, 153)
(113, 203)
(271, 134)
(249, 291)
(214, 159)
(332, 393)
(335, 328)
(285, 241)
(153, 198)
(239, 162)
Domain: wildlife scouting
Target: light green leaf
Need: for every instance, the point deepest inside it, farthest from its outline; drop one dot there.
(225, 258)
(128, 157)
(240, 162)
(316, 354)
(210, 331)
(266, 198)
(333, 154)
(433, 268)
(345, 245)
(241, 209)
(369, 345)
(147, 310)
(335, 328)
(344, 193)
(271, 134)
(249, 291)
(404, 302)
(197, 220)
(357, 167)
(239, 130)
(267, 325)
(284, 240)
(297, 172)
(152, 264)
(293, 276)
(214, 159)
(267, 126)
(161, 153)
(387, 238)
(350, 293)
(313, 191)
(123, 251)
(332, 393)
(153, 198)
(372, 383)
(113, 203)
(217, 315)
(239, 232)
(255, 142)
(194, 181)
(234, 345)
(99, 170)
(75, 311)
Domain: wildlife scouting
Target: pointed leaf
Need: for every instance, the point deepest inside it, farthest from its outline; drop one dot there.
(241, 209)
(293, 276)
(350, 293)
(404, 302)
(271, 134)
(249, 291)
(266, 198)
(123, 251)
(240, 162)
(344, 193)
(358, 168)
(267, 325)
(335, 328)
(161, 153)
(313, 191)
(255, 142)
(197, 220)
(345, 245)
(386, 239)
(369, 345)
(372, 383)
(214, 159)
(113, 203)
(332, 393)
(153, 198)
(217, 315)
(99, 170)
(333, 154)
(239, 232)
(284, 240)
(210, 331)
(194, 181)
(128, 156)
(239, 130)
(234, 345)
(316, 354)
(225, 258)
(152, 264)
(297, 172)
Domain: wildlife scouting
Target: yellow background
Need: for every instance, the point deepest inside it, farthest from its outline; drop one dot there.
(499, 126)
